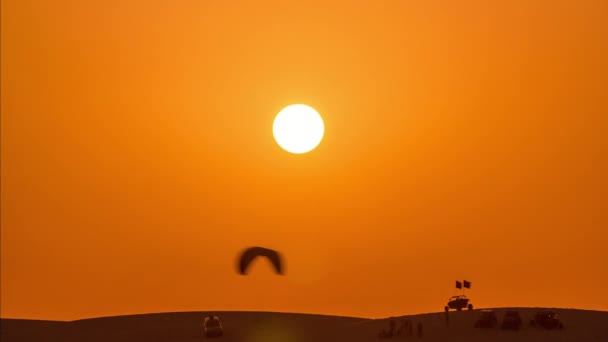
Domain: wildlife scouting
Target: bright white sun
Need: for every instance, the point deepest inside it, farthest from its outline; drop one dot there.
(298, 128)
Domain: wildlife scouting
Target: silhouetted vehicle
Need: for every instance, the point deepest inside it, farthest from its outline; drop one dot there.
(512, 320)
(547, 319)
(458, 303)
(487, 319)
(213, 327)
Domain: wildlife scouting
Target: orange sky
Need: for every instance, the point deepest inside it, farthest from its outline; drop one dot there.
(464, 140)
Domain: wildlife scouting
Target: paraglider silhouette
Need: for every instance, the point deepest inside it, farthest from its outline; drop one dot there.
(249, 254)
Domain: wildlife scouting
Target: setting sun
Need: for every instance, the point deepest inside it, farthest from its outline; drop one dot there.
(298, 128)
(261, 160)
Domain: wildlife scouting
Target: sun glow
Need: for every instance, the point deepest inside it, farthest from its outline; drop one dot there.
(298, 128)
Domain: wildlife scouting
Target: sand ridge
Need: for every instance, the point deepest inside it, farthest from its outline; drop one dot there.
(580, 326)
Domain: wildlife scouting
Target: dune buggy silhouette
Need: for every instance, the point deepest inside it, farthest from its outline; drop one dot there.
(547, 319)
(487, 319)
(458, 303)
(213, 327)
(512, 320)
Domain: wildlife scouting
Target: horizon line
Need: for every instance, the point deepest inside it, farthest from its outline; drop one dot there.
(289, 313)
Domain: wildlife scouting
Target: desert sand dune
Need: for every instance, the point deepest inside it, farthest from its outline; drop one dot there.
(580, 326)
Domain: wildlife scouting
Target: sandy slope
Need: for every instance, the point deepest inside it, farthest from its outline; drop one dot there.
(580, 325)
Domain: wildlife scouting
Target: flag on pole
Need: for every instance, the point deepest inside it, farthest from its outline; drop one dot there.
(467, 284)
(458, 284)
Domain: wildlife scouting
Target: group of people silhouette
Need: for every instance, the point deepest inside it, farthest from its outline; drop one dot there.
(406, 329)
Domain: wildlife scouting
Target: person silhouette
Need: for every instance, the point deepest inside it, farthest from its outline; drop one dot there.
(403, 328)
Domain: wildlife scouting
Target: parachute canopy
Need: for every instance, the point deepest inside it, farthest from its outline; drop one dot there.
(249, 254)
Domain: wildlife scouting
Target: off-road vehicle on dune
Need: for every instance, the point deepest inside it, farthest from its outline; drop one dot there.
(458, 303)
(487, 319)
(512, 320)
(547, 319)
(213, 327)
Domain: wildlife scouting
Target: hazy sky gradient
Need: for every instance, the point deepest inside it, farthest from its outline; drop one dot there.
(464, 140)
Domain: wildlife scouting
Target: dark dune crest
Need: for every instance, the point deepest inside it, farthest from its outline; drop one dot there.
(580, 325)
